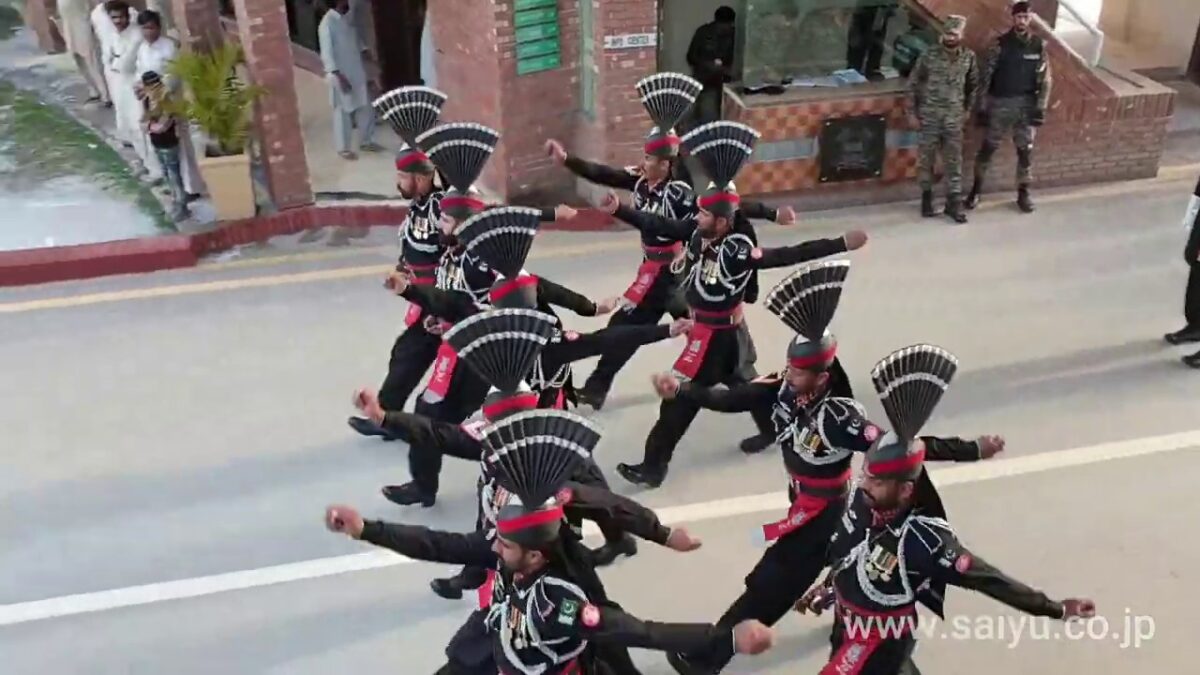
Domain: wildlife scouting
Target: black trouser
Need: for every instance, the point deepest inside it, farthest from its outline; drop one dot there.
(1191, 299)
(660, 299)
(464, 396)
(787, 569)
(729, 360)
(879, 656)
(412, 354)
(864, 49)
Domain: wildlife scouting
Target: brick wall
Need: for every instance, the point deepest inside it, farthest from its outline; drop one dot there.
(262, 28)
(198, 23)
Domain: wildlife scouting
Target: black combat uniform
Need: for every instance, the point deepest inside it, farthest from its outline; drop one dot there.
(714, 278)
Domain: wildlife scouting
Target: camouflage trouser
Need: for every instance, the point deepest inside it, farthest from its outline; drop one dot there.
(941, 130)
(1008, 116)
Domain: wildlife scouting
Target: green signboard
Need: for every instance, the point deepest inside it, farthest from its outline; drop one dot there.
(538, 63)
(538, 46)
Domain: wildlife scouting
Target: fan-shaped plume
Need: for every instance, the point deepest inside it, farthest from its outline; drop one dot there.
(459, 151)
(538, 451)
(911, 382)
(411, 111)
(501, 345)
(807, 300)
(668, 97)
(501, 237)
(722, 149)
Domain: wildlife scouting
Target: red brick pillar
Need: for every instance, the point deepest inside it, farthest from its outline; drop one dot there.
(623, 120)
(464, 33)
(263, 32)
(198, 23)
(37, 15)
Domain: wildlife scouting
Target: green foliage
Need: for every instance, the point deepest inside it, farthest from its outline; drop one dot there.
(215, 98)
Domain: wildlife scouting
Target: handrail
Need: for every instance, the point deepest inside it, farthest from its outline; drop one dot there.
(1098, 48)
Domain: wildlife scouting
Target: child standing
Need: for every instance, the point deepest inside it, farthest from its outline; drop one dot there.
(160, 125)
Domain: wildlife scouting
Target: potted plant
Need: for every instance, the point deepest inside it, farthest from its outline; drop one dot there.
(219, 102)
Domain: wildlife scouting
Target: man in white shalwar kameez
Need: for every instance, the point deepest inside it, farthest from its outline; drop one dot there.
(349, 89)
(115, 25)
(154, 54)
(75, 24)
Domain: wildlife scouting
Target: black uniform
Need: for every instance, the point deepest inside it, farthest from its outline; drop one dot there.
(880, 571)
(558, 622)
(415, 348)
(653, 291)
(818, 441)
(714, 278)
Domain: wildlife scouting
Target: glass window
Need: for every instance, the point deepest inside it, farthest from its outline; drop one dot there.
(832, 43)
(587, 59)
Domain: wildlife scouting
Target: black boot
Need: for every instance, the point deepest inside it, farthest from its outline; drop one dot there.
(927, 204)
(755, 444)
(591, 397)
(1184, 336)
(408, 494)
(954, 208)
(973, 196)
(1024, 201)
(640, 474)
(366, 427)
(450, 588)
(1192, 361)
(608, 553)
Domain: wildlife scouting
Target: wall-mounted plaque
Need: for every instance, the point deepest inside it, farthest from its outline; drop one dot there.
(853, 148)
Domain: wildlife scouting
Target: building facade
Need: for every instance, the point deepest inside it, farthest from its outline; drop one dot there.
(822, 80)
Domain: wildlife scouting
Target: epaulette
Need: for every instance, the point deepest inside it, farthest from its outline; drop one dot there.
(738, 245)
(841, 408)
(930, 531)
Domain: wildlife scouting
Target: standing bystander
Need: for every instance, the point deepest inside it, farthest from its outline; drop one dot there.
(1191, 301)
(160, 125)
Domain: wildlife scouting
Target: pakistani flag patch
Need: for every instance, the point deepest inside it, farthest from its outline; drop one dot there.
(567, 612)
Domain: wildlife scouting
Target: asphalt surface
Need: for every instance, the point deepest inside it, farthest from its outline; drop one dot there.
(186, 424)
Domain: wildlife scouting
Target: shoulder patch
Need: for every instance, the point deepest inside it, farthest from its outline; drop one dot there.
(929, 531)
(568, 610)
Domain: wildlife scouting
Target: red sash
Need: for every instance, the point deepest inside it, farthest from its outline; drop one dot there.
(413, 315)
(805, 508)
(657, 257)
(707, 323)
(485, 591)
(443, 370)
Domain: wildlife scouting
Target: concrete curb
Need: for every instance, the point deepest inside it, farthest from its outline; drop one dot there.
(150, 254)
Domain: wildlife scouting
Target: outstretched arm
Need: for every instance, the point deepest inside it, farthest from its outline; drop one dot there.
(652, 223)
(449, 305)
(738, 398)
(419, 543)
(561, 296)
(602, 506)
(785, 256)
(956, 449)
(579, 346)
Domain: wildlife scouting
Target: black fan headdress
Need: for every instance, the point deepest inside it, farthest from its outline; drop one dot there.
(722, 148)
(460, 151)
(501, 345)
(535, 453)
(910, 383)
(501, 237)
(667, 97)
(806, 302)
(411, 111)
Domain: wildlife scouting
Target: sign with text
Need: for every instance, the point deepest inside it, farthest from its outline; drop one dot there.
(630, 41)
(535, 24)
(853, 148)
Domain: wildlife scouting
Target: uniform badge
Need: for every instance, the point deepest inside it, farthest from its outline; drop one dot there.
(591, 616)
(881, 563)
(963, 564)
(567, 612)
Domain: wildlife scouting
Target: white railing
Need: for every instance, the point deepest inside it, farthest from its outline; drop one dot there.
(1076, 23)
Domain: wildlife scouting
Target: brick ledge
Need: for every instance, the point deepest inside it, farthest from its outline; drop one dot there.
(150, 254)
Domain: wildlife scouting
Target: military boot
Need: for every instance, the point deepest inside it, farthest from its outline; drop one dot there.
(1024, 201)
(927, 204)
(954, 208)
(973, 195)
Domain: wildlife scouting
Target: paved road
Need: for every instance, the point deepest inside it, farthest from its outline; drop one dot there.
(177, 426)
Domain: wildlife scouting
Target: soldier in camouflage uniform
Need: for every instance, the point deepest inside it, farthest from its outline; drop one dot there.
(943, 85)
(1016, 79)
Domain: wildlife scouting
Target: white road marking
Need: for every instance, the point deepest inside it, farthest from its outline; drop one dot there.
(134, 596)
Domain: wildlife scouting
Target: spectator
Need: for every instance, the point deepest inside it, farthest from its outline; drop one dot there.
(1191, 300)
(75, 25)
(120, 40)
(162, 127)
(710, 55)
(350, 91)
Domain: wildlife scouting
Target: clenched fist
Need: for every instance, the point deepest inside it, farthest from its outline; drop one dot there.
(785, 215)
(990, 446)
(610, 202)
(367, 401)
(681, 327)
(344, 519)
(556, 151)
(563, 212)
(752, 637)
(855, 239)
(666, 385)
(682, 541)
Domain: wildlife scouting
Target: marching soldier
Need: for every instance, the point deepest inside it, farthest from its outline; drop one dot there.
(658, 186)
(549, 612)
(943, 84)
(1016, 87)
(894, 547)
(820, 429)
(715, 271)
(1191, 300)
